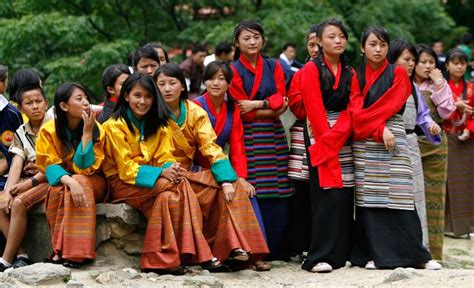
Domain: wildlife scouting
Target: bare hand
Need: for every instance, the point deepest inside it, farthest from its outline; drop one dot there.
(21, 187)
(462, 106)
(247, 187)
(436, 75)
(89, 122)
(173, 173)
(77, 194)
(30, 169)
(434, 129)
(246, 106)
(229, 193)
(388, 139)
(6, 202)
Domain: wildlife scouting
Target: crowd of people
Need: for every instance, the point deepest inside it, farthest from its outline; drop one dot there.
(200, 150)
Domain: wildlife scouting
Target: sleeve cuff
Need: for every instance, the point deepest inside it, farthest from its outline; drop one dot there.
(275, 102)
(223, 172)
(54, 174)
(85, 159)
(147, 176)
(167, 165)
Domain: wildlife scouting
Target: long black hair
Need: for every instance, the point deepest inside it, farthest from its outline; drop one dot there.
(173, 70)
(453, 55)
(211, 70)
(242, 26)
(382, 35)
(396, 49)
(159, 112)
(21, 78)
(325, 73)
(156, 45)
(111, 74)
(69, 139)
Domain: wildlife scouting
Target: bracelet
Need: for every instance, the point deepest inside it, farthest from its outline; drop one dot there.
(34, 182)
(226, 184)
(438, 82)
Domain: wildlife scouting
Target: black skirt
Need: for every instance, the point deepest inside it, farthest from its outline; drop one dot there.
(390, 237)
(300, 220)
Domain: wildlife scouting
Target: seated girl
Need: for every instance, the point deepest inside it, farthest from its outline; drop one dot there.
(25, 186)
(69, 151)
(112, 80)
(141, 172)
(229, 222)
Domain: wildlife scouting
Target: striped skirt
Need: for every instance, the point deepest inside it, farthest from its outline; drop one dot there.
(435, 167)
(73, 228)
(384, 180)
(267, 154)
(418, 185)
(174, 222)
(460, 192)
(298, 162)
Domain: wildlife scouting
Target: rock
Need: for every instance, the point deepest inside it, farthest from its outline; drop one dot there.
(205, 272)
(41, 273)
(102, 230)
(153, 279)
(168, 278)
(120, 229)
(131, 244)
(248, 274)
(94, 274)
(150, 275)
(129, 273)
(123, 211)
(106, 277)
(74, 284)
(6, 281)
(204, 281)
(278, 264)
(400, 274)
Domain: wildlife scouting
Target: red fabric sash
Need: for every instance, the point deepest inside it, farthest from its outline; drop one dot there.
(370, 122)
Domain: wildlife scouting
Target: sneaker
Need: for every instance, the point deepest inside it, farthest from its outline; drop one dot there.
(322, 267)
(3, 267)
(21, 262)
(370, 265)
(433, 265)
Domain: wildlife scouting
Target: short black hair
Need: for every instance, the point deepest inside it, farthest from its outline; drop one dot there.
(27, 88)
(146, 51)
(198, 48)
(397, 47)
(287, 45)
(223, 48)
(466, 38)
(158, 46)
(21, 78)
(173, 70)
(3, 73)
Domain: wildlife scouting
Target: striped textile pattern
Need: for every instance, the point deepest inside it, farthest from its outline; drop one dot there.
(73, 228)
(33, 196)
(383, 180)
(298, 162)
(460, 192)
(435, 166)
(267, 152)
(227, 226)
(174, 222)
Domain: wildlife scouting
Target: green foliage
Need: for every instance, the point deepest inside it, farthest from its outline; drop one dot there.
(75, 40)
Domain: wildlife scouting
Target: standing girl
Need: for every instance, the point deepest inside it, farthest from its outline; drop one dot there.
(70, 151)
(459, 130)
(388, 229)
(437, 94)
(327, 84)
(416, 113)
(112, 80)
(259, 88)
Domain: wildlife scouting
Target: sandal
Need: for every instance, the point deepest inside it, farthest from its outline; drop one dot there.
(239, 255)
(176, 271)
(214, 265)
(75, 264)
(261, 266)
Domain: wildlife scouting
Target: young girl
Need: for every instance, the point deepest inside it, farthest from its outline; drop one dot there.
(388, 229)
(25, 186)
(259, 88)
(112, 80)
(297, 164)
(146, 60)
(327, 84)
(416, 113)
(437, 94)
(162, 54)
(142, 172)
(459, 196)
(69, 151)
(229, 222)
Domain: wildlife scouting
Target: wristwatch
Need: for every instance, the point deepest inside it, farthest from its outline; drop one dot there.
(34, 182)
(265, 104)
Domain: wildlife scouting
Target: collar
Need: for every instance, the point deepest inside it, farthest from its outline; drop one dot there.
(284, 58)
(246, 63)
(28, 128)
(3, 102)
(182, 115)
(140, 124)
(337, 76)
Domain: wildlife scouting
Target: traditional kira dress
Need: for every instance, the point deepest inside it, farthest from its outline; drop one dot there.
(388, 229)
(266, 147)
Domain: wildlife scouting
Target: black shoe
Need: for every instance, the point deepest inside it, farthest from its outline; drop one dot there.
(21, 262)
(3, 267)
